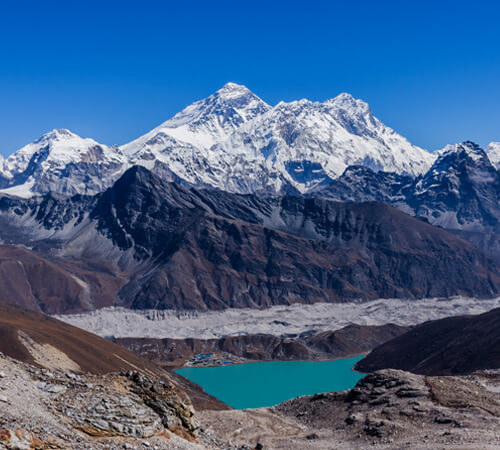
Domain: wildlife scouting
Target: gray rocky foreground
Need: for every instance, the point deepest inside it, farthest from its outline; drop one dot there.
(386, 409)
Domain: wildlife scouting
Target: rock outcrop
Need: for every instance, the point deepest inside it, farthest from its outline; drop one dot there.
(42, 408)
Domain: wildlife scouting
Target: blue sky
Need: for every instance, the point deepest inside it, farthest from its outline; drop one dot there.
(113, 70)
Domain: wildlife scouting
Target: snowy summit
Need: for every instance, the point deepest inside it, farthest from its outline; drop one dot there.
(231, 140)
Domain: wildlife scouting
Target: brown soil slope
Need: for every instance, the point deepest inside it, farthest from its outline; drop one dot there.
(92, 353)
(55, 341)
(37, 283)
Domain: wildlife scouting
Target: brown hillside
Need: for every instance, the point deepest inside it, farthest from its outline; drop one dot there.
(91, 353)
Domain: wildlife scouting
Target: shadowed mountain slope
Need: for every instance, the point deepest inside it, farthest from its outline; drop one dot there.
(451, 346)
(178, 248)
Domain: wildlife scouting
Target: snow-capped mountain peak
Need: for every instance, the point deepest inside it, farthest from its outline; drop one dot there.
(347, 102)
(204, 123)
(460, 190)
(467, 150)
(233, 90)
(61, 161)
(233, 104)
(57, 134)
(59, 147)
(493, 152)
(329, 136)
(455, 163)
(231, 140)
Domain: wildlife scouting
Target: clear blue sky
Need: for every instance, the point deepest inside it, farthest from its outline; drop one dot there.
(113, 70)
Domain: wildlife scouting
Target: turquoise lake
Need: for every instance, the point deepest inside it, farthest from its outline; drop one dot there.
(254, 385)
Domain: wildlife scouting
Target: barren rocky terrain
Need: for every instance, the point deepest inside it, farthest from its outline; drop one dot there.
(387, 409)
(348, 341)
(42, 408)
(62, 387)
(67, 388)
(54, 408)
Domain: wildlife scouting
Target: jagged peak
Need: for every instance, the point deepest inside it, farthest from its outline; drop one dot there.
(231, 95)
(231, 88)
(467, 149)
(136, 176)
(466, 146)
(471, 145)
(140, 179)
(57, 134)
(136, 173)
(344, 96)
(347, 102)
(232, 92)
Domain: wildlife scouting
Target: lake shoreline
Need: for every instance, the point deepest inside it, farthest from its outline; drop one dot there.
(251, 361)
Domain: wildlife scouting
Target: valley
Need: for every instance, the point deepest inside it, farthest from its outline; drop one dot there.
(284, 245)
(79, 398)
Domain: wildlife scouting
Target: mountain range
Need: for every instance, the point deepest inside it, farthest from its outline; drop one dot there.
(232, 141)
(229, 207)
(234, 203)
(235, 142)
(146, 243)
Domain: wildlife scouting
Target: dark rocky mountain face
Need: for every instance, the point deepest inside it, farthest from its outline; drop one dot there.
(452, 346)
(460, 192)
(187, 249)
(361, 184)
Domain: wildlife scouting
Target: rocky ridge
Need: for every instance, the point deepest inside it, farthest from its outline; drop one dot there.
(348, 341)
(460, 192)
(180, 248)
